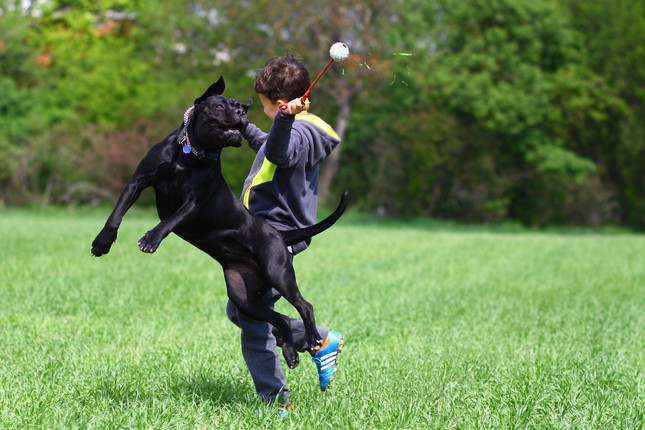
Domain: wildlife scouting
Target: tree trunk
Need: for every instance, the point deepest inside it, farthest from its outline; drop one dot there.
(330, 166)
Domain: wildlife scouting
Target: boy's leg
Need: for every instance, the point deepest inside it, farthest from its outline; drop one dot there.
(260, 354)
(259, 341)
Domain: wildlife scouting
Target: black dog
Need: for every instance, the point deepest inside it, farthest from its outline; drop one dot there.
(194, 201)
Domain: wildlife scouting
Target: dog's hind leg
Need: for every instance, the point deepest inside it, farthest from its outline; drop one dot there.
(306, 311)
(245, 288)
(277, 266)
(284, 281)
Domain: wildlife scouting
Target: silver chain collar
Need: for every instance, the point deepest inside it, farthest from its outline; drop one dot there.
(184, 141)
(187, 148)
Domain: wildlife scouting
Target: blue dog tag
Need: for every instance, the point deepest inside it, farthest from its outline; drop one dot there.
(186, 149)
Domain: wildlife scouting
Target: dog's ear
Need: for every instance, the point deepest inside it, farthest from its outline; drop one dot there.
(247, 106)
(216, 89)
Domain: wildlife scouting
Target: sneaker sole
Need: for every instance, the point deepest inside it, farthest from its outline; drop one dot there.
(341, 342)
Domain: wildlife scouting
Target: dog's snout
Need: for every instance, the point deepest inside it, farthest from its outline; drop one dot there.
(244, 121)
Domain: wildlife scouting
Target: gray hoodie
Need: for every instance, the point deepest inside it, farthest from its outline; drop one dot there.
(282, 186)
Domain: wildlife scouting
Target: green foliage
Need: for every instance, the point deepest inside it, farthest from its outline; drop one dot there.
(615, 50)
(18, 104)
(473, 110)
(514, 71)
(397, 163)
(95, 75)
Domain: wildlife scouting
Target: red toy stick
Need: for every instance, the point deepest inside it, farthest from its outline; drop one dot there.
(338, 52)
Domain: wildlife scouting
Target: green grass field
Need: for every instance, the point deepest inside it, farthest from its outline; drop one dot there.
(446, 327)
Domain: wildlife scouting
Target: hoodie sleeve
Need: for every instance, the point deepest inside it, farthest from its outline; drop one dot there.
(280, 144)
(255, 137)
(291, 141)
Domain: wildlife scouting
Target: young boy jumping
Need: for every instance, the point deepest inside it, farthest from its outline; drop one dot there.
(282, 188)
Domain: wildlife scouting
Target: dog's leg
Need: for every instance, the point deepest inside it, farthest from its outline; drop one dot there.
(278, 270)
(152, 239)
(245, 288)
(189, 207)
(144, 176)
(106, 237)
(291, 293)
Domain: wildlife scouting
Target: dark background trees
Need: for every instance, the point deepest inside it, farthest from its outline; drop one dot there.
(472, 110)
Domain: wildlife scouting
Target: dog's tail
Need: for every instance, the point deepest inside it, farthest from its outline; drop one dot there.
(292, 237)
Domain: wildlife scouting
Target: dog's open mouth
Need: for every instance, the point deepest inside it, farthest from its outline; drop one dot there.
(231, 131)
(232, 135)
(228, 130)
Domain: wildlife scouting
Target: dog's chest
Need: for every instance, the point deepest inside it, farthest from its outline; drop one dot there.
(182, 182)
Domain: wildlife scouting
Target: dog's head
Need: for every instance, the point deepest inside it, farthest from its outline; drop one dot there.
(218, 121)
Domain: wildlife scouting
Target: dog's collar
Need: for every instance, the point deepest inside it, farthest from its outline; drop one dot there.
(187, 148)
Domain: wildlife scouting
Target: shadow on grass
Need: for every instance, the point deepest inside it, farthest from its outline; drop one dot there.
(218, 390)
(194, 390)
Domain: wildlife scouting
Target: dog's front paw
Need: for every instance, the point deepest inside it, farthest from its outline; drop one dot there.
(149, 242)
(103, 242)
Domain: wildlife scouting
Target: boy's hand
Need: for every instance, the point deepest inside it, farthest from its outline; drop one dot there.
(294, 107)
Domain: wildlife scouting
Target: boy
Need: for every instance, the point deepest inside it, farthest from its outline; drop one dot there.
(282, 189)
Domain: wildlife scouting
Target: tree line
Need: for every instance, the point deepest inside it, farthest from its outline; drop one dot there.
(471, 110)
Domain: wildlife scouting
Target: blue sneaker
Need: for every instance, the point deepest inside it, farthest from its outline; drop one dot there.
(326, 358)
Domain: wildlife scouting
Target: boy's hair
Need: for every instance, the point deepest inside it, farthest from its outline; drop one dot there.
(283, 78)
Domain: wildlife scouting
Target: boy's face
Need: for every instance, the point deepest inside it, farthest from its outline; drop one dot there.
(270, 107)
